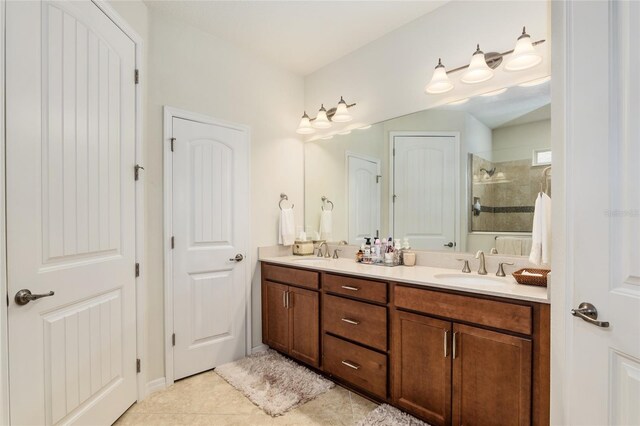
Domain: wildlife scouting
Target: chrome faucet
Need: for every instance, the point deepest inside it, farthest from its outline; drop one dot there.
(500, 272)
(482, 268)
(326, 252)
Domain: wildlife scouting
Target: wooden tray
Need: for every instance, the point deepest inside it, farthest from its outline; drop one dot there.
(532, 280)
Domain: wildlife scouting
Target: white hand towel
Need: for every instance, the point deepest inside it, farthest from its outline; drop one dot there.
(541, 233)
(326, 225)
(509, 245)
(287, 231)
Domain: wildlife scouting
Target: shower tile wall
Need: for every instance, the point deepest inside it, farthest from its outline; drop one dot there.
(507, 197)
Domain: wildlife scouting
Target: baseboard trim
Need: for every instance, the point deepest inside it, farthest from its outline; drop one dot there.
(259, 348)
(155, 386)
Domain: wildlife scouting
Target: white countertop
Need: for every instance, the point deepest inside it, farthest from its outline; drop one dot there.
(506, 287)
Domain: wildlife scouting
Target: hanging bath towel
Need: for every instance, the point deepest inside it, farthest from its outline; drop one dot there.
(287, 232)
(326, 225)
(541, 233)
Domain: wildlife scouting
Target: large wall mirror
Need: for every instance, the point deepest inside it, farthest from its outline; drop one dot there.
(460, 177)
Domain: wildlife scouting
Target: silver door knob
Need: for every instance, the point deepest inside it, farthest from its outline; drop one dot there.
(25, 296)
(238, 258)
(450, 244)
(589, 313)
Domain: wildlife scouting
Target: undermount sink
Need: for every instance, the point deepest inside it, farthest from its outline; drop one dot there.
(469, 279)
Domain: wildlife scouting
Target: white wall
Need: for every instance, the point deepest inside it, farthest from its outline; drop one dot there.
(198, 72)
(387, 77)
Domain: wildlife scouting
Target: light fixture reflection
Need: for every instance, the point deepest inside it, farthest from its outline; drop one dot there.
(321, 121)
(535, 82)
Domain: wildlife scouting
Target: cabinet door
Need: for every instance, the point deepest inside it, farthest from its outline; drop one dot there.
(491, 378)
(304, 325)
(422, 366)
(275, 316)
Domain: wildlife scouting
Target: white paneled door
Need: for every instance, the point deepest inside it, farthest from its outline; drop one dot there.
(364, 197)
(424, 191)
(602, 370)
(210, 229)
(70, 153)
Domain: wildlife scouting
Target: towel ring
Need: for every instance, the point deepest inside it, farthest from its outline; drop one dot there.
(283, 197)
(326, 200)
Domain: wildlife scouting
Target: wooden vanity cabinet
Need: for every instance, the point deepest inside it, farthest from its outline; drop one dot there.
(291, 314)
(448, 373)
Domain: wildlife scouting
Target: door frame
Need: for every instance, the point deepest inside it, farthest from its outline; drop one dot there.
(169, 114)
(372, 159)
(457, 205)
(122, 24)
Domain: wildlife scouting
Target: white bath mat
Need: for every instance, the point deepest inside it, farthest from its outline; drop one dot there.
(386, 415)
(273, 382)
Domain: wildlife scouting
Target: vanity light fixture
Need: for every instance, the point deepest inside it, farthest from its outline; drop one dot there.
(346, 132)
(478, 70)
(482, 64)
(524, 55)
(535, 82)
(321, 121)
(342, 115)
(368, 126)
(324, 119)
(304, 128)
(440, 82)
(326, 138)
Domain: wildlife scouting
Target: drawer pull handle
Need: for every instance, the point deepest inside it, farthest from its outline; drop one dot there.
(348, 287)
(350, 321)
(454, 345)
(351, 365)
(446, 352)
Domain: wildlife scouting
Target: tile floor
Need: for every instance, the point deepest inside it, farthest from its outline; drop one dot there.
(206, 399)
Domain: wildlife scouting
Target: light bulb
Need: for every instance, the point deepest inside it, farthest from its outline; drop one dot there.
(440, 82)
(304, 128)
(524, 55)
(341, 115)
(478, 70)
(321, 121)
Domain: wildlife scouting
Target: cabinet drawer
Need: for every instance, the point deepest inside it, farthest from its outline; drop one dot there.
(357, 321)
(373, 291)
(491, 313)
(298, 277)
(362, 367)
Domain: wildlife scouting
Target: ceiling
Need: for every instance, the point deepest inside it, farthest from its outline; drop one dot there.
(300, 36)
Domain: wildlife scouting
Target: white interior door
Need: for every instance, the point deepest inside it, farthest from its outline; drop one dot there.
(70, 213)
(424, 191)
(602, 370)
(210, 228)
(364, 197)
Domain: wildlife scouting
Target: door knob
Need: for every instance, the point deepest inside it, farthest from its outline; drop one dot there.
(25, 296)
(450, 244)
(589, 313)
(238, 258)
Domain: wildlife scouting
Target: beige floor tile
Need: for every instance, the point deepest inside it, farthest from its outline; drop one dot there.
(206, 399)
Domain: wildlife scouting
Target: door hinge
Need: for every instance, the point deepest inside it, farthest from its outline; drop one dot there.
(137, 76)
(137, 270)
(173, 339)
(394, 152)
(172, 142)
(138, 365)
(378, 177)
(394, 197)
(136, 173)
(173, 242)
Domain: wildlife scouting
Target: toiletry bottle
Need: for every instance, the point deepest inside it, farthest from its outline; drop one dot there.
(378, 251)
(360, 254)
(367, 251)
(397, 251)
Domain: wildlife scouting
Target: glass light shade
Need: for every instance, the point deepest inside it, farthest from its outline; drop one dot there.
(321, 121)
(478, 70)
(524, 55)
(440, 82)
(304, 128)
(341, 115)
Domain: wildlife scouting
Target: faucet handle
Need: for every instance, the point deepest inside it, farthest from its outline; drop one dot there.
(466, 269)
(335, 253)
(500, 272)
